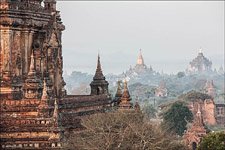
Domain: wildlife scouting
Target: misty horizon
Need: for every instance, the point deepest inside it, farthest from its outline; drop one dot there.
(180, 65)
(169, 34)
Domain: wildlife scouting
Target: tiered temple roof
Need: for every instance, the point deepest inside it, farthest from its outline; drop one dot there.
(140, 66)
(195, 131)
(118, 94)
(125, 100)
(99, 85)
(200, 64)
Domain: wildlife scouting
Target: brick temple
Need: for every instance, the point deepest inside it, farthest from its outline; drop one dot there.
(36, 112)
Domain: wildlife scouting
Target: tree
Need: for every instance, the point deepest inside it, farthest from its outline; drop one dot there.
(120, 131)
(149, 110)
(194, 95)
(213, 141)
(180, 74)
(176, 117)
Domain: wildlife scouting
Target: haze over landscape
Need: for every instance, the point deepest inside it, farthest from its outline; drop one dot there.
(56, 92)
(169, 34)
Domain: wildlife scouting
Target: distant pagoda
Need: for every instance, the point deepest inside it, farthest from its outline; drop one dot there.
(140, 66)
(118, 94)
(200, 64)
(125, 100)
(161, 90)
(99, 85)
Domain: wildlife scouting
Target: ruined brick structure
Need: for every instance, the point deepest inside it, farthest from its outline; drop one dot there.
(207, 108)
(36, 112)
(195, 131)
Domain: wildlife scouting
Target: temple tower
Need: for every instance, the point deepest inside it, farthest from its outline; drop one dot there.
(56, 114)
(140, 66)
(99, 85)
(30, 55)
(200, 64)
(32, 86)
(195, 131)
(39, 35)
(43, 107)
(118, 94)
(125, 99)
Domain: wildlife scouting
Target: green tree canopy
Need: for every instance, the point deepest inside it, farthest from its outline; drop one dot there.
(176, 117)
(213, 141)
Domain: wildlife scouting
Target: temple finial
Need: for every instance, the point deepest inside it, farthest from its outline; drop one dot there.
(56, 111)
(140, 60)
(200, 50)
(99, 63)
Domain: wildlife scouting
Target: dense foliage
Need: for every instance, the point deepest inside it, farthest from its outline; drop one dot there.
(122, 131)
(194, 95)
(213, 141)
(180, 74)
(176, 117)
(149, 110)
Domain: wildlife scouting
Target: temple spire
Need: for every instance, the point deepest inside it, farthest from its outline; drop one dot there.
(56, 113)
(126, 93)
(99, 85)
(118, 94)
(119, 90)
(32, 71)
(140, 60)
(125, 99)
(43, 106)
(99, 68)
(44, 93)
(98, 74)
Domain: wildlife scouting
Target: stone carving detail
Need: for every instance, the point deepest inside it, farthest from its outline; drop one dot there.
(19, 61)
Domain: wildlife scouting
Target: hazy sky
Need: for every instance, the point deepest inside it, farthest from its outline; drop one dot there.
(169, 34)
